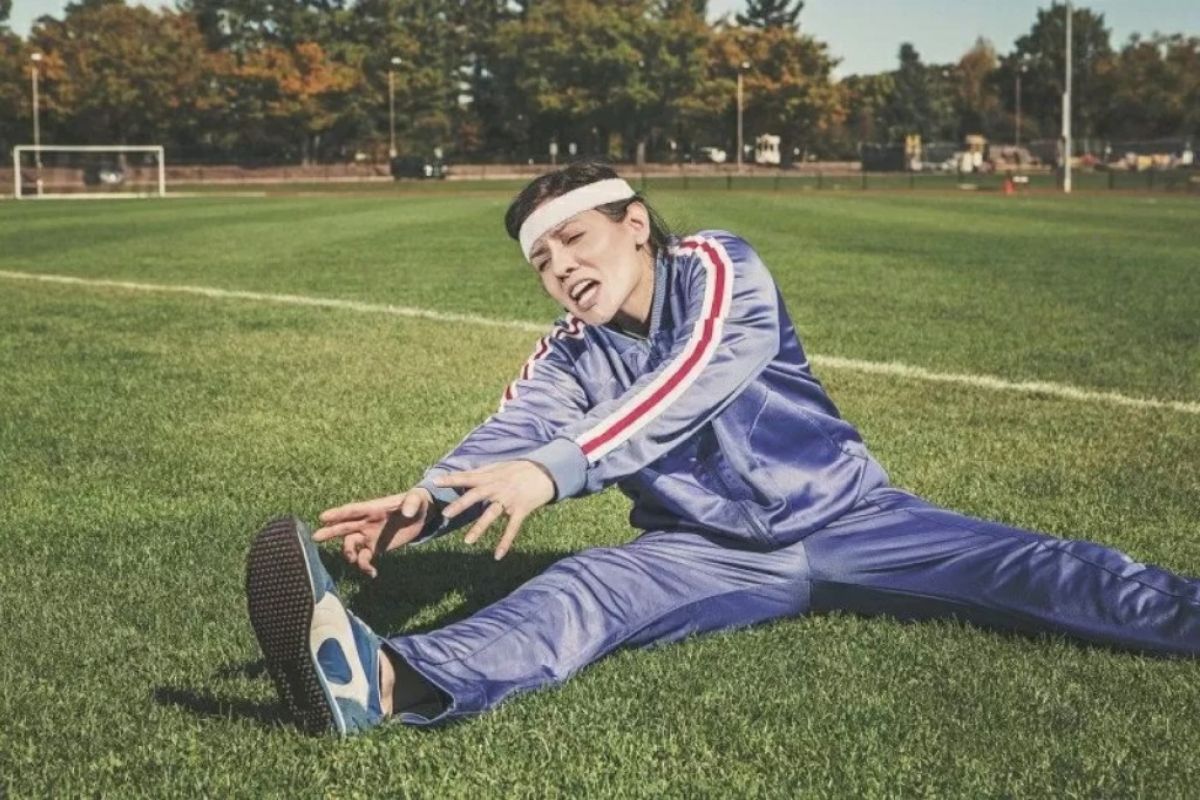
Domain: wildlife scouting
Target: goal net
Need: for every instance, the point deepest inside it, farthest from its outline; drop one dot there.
(88, 171)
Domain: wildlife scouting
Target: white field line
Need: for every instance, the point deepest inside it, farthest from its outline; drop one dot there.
(894, 369)
(1063, 390)
(287, 299)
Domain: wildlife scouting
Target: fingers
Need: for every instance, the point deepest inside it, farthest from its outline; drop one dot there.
(351, 545)
(357, 551)
(511, 530)
(466, 501)
(490, 515)
(413, 501)
(339, 529)
(468, 477)
(364, 562)
(379, 525)
(374, 526)
(344, 513)
(510, 535)
(400, 528)
(454, 479)
(362, 509)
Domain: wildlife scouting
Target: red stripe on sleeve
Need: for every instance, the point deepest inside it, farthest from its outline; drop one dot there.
(609, 430)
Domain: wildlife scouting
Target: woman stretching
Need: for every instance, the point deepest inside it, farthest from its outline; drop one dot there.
(677, 375)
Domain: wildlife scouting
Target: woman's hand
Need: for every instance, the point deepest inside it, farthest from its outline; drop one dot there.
(513, 488)
(373, 526)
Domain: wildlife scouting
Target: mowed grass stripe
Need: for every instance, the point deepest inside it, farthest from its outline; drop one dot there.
(1046, 388)
(1096, 292)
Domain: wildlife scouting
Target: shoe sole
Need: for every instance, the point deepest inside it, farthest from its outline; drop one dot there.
(279, 596)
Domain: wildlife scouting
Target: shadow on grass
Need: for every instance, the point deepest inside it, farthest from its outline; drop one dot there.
(407, 583)
(206, 704)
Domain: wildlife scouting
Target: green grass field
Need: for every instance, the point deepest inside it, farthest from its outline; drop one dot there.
(145, 436)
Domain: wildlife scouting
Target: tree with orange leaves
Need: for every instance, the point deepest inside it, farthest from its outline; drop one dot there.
(14, 90)
(117, 74)
(788, 87)
(285, 98)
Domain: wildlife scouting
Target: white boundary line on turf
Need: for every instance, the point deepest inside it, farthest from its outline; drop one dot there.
(286, 299)
(1060, 390)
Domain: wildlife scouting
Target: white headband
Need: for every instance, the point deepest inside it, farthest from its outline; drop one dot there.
(563, 207)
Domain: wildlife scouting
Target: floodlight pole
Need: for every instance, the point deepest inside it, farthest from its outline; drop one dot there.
(37, 127)
(745, 65)
(1066, 113)
(1017, 128)
(392, 105)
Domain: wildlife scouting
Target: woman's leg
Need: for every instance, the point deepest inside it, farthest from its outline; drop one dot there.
(901, 556)
(658, 588)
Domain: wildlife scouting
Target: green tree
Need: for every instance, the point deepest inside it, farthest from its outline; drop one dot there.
(675, 65)
(437, 44)
(1042, 52)
(771, 14)
(866, 98)
(481, 120)
(575, 71)
(922, 100)
(239, 25)
(1156, 88)
(670, 8)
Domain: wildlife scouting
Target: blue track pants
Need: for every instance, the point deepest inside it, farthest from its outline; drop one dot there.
(895, 554)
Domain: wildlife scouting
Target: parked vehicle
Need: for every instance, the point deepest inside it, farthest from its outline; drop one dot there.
(103, 175)
(766, 149)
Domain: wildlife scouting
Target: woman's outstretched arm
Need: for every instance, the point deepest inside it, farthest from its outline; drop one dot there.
(731, 334)
(544, 397)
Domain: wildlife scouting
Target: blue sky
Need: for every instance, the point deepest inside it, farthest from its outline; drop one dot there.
(866, 34)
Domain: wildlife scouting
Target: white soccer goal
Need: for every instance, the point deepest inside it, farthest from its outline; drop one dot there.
(88, 172)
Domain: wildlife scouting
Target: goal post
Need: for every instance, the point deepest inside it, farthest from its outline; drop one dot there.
(88, 172)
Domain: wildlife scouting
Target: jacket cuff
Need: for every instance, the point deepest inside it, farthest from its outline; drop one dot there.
(444, 495)
(435, 524)
(565, 462)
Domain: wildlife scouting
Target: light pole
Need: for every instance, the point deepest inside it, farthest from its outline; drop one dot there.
(639, 156)
(1017, 128)
(36, 58)
(1066, 113)
(395, 62)
(742, 67)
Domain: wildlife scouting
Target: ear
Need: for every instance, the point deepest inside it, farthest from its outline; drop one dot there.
(638, 221)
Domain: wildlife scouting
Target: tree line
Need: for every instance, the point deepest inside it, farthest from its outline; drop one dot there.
(500, 80)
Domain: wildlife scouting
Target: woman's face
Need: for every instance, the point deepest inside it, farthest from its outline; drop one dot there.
(594, 267)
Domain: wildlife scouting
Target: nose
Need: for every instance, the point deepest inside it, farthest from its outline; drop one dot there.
(561, 264)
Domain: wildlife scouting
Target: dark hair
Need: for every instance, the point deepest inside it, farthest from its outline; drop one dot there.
(572, 176)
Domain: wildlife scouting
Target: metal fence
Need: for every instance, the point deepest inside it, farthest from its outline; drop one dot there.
(843, 176)
(1178, 181)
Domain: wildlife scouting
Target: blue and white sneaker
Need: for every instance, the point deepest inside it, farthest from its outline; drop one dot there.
(323, 659)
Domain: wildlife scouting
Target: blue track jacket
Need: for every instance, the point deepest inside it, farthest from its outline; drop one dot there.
(713, 423)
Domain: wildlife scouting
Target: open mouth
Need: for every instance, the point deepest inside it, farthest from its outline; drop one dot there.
(584, 293)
